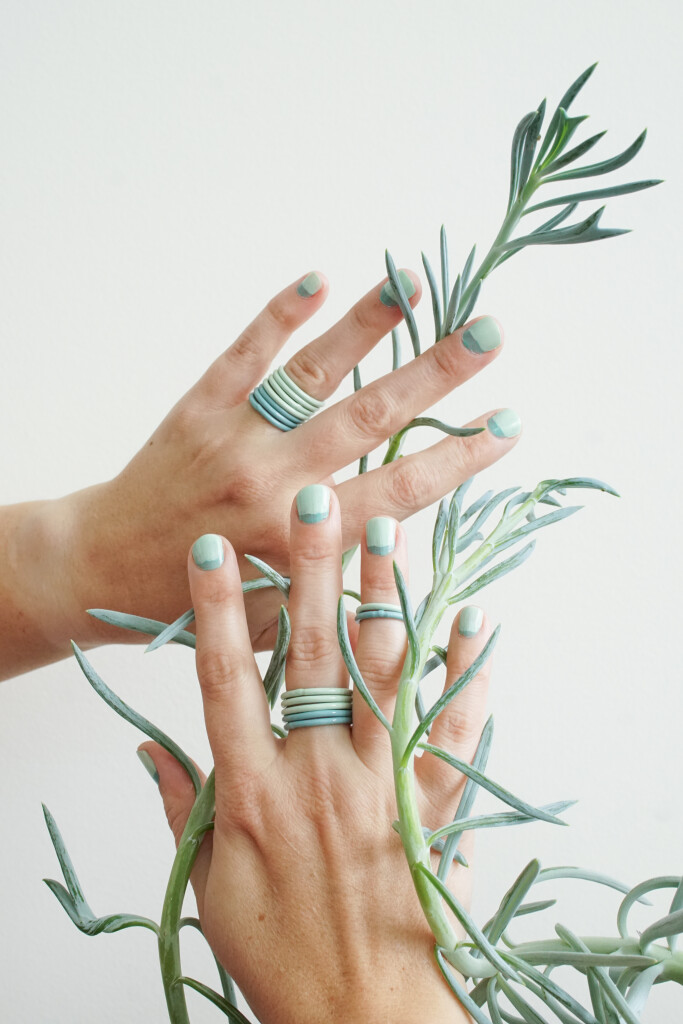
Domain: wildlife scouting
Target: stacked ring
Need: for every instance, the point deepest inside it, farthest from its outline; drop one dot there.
(378, 610)
(282, 402)
(316, 705)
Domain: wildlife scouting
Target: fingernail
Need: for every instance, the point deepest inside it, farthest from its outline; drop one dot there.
(483, 336)
(207, 552)
(313, 503)
(148, 765)
(380, 535)
(470, 621)
(309, 286)
(388, 293)
(505, 423)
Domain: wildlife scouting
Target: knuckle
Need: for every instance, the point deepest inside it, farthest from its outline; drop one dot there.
(410, 485)
(372, 412)
(447, 357)
(361, 318)
(311, 371)
(311, 644)
(380, 668)
(217, 671)
(247, 347)
(280, 313)
(460, 730)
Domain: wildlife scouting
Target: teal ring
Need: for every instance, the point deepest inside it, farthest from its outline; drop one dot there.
(318, 721)
(279, 396)
(286, 385)
(297, 392)
(266, 402)
(361, 616)
(374, 606)
(327, 699)
(305, 691)
(266, 415)
(317, 713)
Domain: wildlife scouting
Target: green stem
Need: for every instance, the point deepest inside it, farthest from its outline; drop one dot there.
(403, 725)
(199, 820)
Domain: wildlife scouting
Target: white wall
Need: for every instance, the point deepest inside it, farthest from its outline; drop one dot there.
(168, 166)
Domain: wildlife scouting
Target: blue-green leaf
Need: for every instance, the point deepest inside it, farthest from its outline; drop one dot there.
(503, 819)
(554, 221)
(133, 718)
(460, 993)
(512, 900)
(350, 662)
(493, 787)
(637, 892)
(436, 301)
(452, 691)
(638, 994)
(599, 193)
(469, 306)
(274, 577)
(171, 631)
(609, 988)
(570, 155)
(230, 1011)
(408, 619)
(141, 625)
(524, 129)
(443, 251)
(469, 793)
(275, 673)
(563, 105)
(454, 302)
(605, 166)
(671, 924)
(439, 530)
(493, 574)
(529, 1015)
(395, 349)
(546, 874)
(552, 988)
(403, 303)
(676, 904)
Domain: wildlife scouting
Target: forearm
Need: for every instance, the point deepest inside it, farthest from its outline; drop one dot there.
(38, 570)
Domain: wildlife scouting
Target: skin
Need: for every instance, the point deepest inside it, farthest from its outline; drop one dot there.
(303, 890)
(121, 544)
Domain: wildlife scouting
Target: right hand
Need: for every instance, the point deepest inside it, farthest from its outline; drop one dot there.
(303, 888)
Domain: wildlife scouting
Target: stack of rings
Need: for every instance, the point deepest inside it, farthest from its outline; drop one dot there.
(378, 610)
(316, 705)
(282, 402)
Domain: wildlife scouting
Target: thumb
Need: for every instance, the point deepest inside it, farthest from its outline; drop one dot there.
(178, 795)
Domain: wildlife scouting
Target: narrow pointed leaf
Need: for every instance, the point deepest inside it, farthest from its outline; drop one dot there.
(676, 904)
(450, 693)
(512, 899)
(133, 718)
(436, 301)
(439, 530)
(171, 631)
(474, 507)
(501, 820)
(395, 349)
(403, 303)
(230, 1011)
(547, 874)
(564, 104)
(638, 994)
(430, 421)
(544, 983)
(453, 303)
(493, 787)
(275, 673)
(65, 899)
(408, 618)
(570, 155)
(469, 306)
(672, 924)
(518, 141)
(469, 793)
(529, 1015)
(467, 269)
(274, 577)
(598, 193)
(68, 871)
(605, 166)
(226, 981)
(554, 221)
(443, 252)
(470, 926)
(609, 988)
(493, 574)
(350, 662)
(141, 625)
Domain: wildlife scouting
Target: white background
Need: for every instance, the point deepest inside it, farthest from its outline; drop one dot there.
(165, 168)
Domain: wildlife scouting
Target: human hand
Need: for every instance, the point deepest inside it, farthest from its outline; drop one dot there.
(215, 465)
(303, 889)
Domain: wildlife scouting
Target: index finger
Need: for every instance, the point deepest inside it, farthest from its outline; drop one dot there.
(235, 705)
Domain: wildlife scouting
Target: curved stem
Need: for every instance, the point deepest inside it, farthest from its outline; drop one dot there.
(198, 823)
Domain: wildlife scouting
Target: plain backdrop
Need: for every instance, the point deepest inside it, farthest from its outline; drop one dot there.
(165, 168)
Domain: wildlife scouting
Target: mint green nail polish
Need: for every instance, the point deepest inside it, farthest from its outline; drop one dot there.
(483, 336)
(505, 423)
(148, 765)
(380, 535)
(207, 552)
(470, 621)
(388, 294)
(309, 286)
(313, 503)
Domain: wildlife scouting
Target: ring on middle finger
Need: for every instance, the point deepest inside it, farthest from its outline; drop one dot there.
(378, 610)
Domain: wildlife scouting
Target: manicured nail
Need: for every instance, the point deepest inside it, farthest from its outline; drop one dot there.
(148, 765)
(505, 423)
(483, 336)
(309, 286)
(470, 621)
(313, 503)
(207, 552)
(380, 535)
(388, 293)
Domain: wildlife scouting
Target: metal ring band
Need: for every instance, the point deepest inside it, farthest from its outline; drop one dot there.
(305, 715)
(266, 415)
(362, 616)
(305, 709)
(327, 699)
(374, 606)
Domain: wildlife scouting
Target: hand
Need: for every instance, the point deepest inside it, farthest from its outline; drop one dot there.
(214, 465)
(303, 889)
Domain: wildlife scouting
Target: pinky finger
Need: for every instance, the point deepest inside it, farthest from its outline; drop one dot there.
(458, 728)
